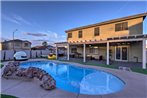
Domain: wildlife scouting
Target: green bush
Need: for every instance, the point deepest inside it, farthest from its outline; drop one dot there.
(1, 65)
(7, 96)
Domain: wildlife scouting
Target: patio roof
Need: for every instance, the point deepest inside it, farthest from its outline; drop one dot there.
(112, 39)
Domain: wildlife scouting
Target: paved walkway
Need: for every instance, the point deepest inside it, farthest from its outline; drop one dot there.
(136, 87)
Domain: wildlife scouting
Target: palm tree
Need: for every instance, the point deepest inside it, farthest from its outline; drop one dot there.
(44, 43)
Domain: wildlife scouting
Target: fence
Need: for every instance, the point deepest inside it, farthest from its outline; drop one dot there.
(8, 54)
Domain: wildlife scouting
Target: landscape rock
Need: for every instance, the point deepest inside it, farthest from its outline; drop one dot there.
(12, 69)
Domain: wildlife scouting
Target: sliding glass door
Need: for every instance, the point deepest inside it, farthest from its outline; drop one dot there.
(121, 53)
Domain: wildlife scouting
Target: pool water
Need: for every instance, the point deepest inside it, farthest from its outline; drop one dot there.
(78, 79)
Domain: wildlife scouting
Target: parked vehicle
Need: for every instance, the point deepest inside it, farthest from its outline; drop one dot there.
(21, 55)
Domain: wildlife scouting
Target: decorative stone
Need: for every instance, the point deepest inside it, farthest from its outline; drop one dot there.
(46, 80)
(9, 69)
(21, 72)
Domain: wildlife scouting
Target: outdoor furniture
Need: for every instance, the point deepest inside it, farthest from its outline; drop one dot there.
(72, 55)
(100, 57)
(91, 57)
(77, 54)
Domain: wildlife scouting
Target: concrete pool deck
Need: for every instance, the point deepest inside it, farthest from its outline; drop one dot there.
(136, 86)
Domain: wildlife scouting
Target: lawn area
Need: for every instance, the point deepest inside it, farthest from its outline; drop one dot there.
(93, 64)
(7, 96)
(139, 70)
(135, 69)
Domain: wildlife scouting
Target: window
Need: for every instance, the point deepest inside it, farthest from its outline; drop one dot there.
(69, 35)
(121, 26)
(92, 50)
(80, 34)
(96, 31)
(73, 50)
(26, 44)
(17, 44)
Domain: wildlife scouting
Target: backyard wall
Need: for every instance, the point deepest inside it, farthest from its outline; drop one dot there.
(8, 54)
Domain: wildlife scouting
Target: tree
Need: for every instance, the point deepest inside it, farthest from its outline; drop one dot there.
(44, 43)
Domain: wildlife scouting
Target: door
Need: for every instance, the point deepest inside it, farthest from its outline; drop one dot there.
(121, 53)
(118, 53)
(124, 53)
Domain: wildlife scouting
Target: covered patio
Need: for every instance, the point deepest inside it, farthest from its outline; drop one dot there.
(120, 58)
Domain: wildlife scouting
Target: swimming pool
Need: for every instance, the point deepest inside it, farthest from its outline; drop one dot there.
(78, 79)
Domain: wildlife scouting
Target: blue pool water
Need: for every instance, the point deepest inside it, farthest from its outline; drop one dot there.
(78, 79)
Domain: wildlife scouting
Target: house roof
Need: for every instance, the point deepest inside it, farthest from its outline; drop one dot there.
(110, 21)
(16, 40)
(61, 42)
(43, 47)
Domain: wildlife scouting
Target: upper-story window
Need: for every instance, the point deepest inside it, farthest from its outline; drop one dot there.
(69, 35)
(26, 44)
(121, 26)
(96, 31)
(80, 34)
(17, 44)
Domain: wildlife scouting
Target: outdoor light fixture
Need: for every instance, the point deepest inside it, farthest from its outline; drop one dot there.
(65, 46)
(95, 47)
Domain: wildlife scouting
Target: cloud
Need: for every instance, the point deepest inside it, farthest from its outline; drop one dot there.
(3, 39)
(21, 19)
(40, 40)
(35, 34)
(49, 36)
(16, 19)
(10, 19)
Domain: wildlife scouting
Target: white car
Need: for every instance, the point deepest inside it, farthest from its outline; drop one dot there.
(21, 55)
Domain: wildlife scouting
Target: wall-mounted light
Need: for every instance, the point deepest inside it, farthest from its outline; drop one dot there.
(95, 47)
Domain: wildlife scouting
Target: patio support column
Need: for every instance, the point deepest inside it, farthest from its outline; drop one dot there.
(144, 54)
(84, 52)
(107, 53)
(56, 52)
(68, 52)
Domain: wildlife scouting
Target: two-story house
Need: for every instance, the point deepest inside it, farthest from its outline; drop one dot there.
(119, 39)
(16, 44)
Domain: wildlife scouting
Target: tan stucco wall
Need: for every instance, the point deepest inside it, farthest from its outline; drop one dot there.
(0, 46)
(108, 30)
(134, 50)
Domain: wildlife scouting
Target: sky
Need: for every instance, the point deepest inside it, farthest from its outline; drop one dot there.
(38, 21)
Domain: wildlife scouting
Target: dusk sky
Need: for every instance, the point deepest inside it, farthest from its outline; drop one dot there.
(47, 21)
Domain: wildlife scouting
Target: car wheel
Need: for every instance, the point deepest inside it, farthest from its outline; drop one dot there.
(14, 59)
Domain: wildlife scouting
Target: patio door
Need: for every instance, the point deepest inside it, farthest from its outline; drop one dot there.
(121, 53)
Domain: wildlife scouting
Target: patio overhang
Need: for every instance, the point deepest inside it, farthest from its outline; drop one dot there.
(128, 38)
(108, 42)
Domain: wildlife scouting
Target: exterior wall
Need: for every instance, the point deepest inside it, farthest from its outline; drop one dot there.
(134, 50)
(135, 26)
(17, 46)
(0, 46)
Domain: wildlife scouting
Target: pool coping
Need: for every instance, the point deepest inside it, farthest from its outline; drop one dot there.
(135, 83)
